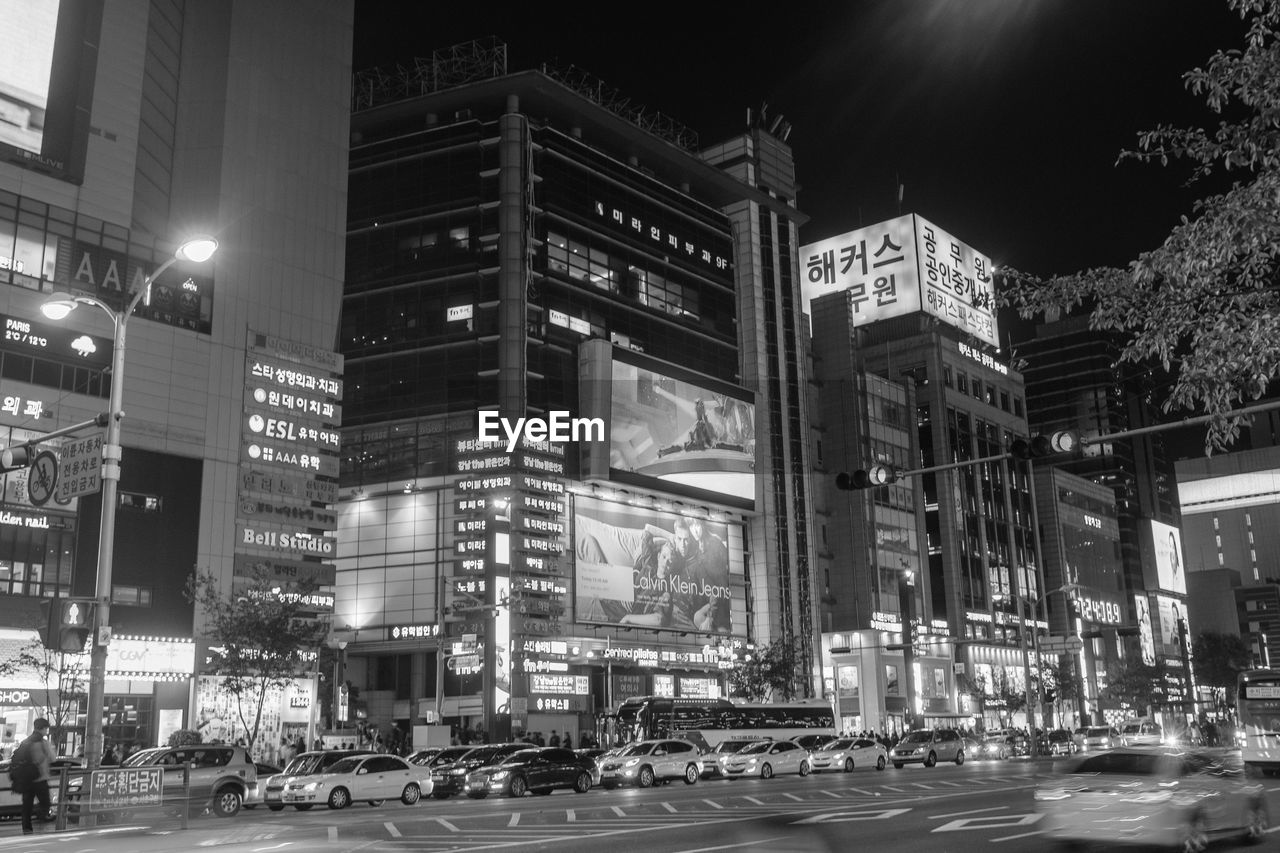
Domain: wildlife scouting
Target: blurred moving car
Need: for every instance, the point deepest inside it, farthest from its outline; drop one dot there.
(1141, 733)
(928, 747)
(373, 778)
(1099, 737)
(846, 753)
(253, 795)
(1153, 797)
(303, 764)
(1001, 746)
(1059, 742)
(450, 778)
(539, 770)
(648, 761)
(220, 775)
(713, 761)
(767, 759)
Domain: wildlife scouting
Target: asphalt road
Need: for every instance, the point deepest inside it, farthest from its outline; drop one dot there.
(978, 807)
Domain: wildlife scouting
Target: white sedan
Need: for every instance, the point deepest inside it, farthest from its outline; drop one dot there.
(372, 778)
(847, 753)
(766, 759)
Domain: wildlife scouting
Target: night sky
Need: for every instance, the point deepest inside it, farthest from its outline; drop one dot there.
(1001, 119)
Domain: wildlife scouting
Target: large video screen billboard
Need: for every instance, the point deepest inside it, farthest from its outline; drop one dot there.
(48, 59)
(1170, 568)
(678, 431)
(654, 569)
(1146, 638)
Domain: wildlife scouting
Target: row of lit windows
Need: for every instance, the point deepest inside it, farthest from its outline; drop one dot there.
(984, 391)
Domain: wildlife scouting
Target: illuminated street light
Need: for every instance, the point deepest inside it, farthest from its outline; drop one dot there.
(57, 307)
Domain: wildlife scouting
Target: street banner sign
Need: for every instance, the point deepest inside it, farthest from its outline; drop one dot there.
(80, 467)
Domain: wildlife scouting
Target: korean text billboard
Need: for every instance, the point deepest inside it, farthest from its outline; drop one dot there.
(645, 567)
(902, 266)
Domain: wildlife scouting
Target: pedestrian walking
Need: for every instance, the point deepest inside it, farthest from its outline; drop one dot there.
(29, 772)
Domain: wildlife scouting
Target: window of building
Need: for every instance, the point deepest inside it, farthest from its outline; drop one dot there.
(946, 375)
(1004, 400)
(1017, 406)
(460, 237)
(991, 395)
(962, 382)
(977, 388)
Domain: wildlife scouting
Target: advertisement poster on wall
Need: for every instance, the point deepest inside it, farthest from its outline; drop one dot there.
(1172, 612)
(222, 717)
(1169, 564)
(1145, 637)
(655, 569)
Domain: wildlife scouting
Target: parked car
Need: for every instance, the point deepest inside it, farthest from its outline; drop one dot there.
(451, 778)
(303, 764)
(1152, 797)
(812, 741)
(1099, 737)
(648, 761)
(595, 754)
(1059, 742)
(422, 757)
(1141, 733)
(767, 759)
(713, 761)
(928, 747)
(847, 753)
(253, 795)
(220, 775)
(373, 778)
(539, 770)
(11, 803)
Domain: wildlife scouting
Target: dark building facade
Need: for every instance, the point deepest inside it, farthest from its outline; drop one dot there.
(516, 247)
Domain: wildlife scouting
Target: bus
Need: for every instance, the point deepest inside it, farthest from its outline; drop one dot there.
(1258, 710)
(707, 722)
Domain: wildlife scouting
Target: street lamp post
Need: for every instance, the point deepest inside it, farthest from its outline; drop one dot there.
(57, 307)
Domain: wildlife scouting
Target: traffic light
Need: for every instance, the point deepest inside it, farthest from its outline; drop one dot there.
(16, 457)
(70, 622)
(1062, 441)
(876, 475)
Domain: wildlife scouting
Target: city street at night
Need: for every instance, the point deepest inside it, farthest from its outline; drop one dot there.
(979, 806)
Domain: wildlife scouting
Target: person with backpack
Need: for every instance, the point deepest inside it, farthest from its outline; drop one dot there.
(29, 772)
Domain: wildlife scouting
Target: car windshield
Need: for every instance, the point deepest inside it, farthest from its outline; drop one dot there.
(637, 749)
(140, 758)
(304, 764)
(1132, 728)
(732, 745)
(450, 755)
(481, 754)
(918, 737)
(838, 744)
(1099, 732)
(518, 757)
(346, 765)
(755, 748)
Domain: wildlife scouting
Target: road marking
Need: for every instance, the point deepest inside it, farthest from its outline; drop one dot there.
(753, 800)
(923, 785)
(1006, 821)
(895, 790)
(731, 846)
(570, 816)
(333, 833)
(713, 804)
(669, 807)
(272, 847)
(795, 797)
(1014, 837)
(391, 828)
(618, 811)
(961, 814)
(845, 817)
(952, 784)
(832, 794)
(866, 793)
(446, 824)
(515, 817)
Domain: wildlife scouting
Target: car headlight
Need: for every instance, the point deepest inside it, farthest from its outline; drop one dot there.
(500, 775)
(631, 762)
(313, 786)
(458, 771)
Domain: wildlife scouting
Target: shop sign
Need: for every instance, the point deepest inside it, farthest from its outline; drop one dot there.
(570, 685)
(126, 787)
(36, 698)
(147, 655)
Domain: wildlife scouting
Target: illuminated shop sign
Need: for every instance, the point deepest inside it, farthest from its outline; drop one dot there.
(297, 403)
(663, 237)
(419, 631)
(295, 376)
(982, 358)
(569, 685)
(544, 647)
(287, 430)
(1094, 608)
(293, 542)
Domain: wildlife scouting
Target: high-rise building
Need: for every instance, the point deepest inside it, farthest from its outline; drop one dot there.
(521, 246)
(126, 129)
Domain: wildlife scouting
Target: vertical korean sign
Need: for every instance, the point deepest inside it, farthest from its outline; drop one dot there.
(285, 521)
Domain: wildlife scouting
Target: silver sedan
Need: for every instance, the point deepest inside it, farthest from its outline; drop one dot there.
(847, 753)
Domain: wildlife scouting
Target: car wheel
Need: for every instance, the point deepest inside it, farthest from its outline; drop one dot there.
(339, 798)
(897, 765)
(1194, 837)
(276, 808)
(518, 786)
(804, 768)
(960, 758)
(931, 759)
(766, 771)
(880, 763)
(848, 764)
(645, 779)
(691, 774)
(303, 807)
(227, 802)
(1258, 823)
(582, 784)
(376, 803)
(1003, 754)
(411, 794)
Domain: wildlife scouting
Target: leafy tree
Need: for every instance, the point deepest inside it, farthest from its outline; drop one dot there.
(1218, 659)
(258, 636)
(1132, 683)
(1060, 679)
(1204, 306)
(184, 737)
(771, 671)
(64, 677)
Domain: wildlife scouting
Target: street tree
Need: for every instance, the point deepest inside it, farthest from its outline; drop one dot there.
(1218, 659)
(770, 672)
(1060, 680)
(1132, 683)
(259, 635)
(1203, 307)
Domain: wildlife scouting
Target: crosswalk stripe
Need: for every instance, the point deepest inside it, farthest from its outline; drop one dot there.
(618, 811)
(570, 815)
(713, 804)
(952, 784)
(446, 824)
(669, 807)
(515, 819)
(753, 800)
(391, 828)
(832, 794)
(794, 797)
(923, 785)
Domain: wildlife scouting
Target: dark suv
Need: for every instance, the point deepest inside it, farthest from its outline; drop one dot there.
(451, 778)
